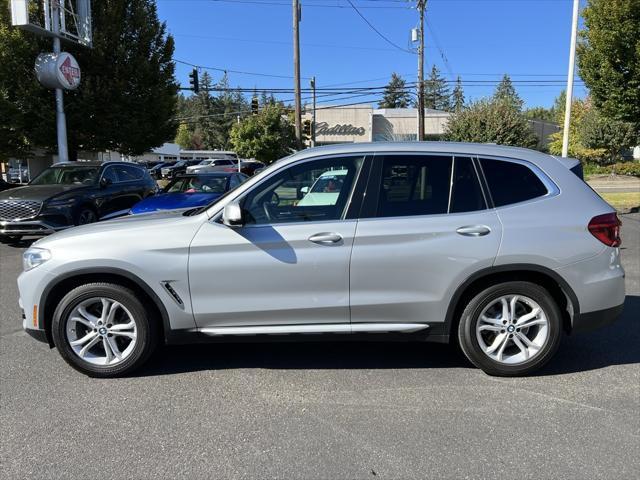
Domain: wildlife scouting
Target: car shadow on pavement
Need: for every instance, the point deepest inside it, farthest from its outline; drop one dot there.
(22, 243)
(616, 344)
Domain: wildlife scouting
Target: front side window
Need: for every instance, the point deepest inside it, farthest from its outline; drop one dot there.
(317, 190)
(199, 184)
(414, 185)
(511, 182)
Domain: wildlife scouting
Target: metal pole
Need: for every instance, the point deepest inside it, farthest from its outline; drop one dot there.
(296, 70)
(421, 8)
(572, 63)
(61, 122)
(313, 116)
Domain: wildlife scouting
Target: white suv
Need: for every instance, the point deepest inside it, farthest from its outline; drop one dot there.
(498, 249)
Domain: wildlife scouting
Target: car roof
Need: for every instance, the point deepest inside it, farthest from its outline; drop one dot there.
(426, 147)
(93, 164)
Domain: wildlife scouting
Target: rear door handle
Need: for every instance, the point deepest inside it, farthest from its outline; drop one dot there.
(474, 230)
(326, 238)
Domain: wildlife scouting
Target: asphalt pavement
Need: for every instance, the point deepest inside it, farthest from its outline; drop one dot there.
(326, 410)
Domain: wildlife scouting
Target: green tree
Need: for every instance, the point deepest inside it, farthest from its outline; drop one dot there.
(128, 95)
(579, 109)
(609, 57)
(436, 91)
(540, 113)
(506, 92)
(184, 137)
(227, 105)
(457, 96)
(491, 121)
(395, 93)
(267, 136)
(599, 132)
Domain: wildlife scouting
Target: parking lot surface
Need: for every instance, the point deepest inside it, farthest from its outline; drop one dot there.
(325, 410)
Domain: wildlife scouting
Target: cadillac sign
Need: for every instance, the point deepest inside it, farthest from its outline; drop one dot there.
(58, 70)
(323, 128)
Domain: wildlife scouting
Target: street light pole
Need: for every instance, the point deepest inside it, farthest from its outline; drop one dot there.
(61, 121)
(572, 63)
(296, 70)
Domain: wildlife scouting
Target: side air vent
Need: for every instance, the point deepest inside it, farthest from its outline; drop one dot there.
(167, 286)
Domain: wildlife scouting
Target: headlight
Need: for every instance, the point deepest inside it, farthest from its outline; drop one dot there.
(67, 202)
(34, 256)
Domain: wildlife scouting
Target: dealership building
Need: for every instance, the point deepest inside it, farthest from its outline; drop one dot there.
(364, 123)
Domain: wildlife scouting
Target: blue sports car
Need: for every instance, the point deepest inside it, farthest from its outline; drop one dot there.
(189, 191)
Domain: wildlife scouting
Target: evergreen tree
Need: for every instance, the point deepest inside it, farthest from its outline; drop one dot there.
(436, 92)
(205, 112)
(395, 93)
(126, 100)
(227, 105)
(506, 93)
(457, 97)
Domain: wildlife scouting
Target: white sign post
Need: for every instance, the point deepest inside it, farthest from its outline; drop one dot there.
(60, 19)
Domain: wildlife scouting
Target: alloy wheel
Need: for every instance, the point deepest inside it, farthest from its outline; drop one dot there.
(512, 329)
(101, 331)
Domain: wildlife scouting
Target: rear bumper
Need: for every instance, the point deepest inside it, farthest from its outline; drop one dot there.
(586, 322)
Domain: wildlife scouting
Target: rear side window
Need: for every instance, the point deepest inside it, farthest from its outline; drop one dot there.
(414, 185)
(466, 193)
(511, 182)
(129, 174)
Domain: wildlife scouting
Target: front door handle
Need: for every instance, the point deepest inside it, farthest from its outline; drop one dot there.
(326, 238)
(474, 230)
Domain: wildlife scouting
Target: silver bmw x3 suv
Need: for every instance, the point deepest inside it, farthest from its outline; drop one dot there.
(498, 249)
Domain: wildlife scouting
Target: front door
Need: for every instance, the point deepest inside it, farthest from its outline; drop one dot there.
(425, 228)
(288, 263)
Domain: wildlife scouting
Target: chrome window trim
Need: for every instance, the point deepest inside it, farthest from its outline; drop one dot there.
(216, 217)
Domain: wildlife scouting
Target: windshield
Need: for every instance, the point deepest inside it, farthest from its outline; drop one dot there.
(329, 183)
(201, 184)
(67, 176)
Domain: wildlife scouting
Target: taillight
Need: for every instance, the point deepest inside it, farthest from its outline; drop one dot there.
(606, 228)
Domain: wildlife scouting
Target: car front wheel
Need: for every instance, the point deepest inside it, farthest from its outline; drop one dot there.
(103, 330)
(510, 329)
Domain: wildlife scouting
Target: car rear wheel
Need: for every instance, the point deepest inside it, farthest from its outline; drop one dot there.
(510, 329)
(103, 330)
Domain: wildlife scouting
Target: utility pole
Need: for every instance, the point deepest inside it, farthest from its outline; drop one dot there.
(313, 115)
(572, 63)
(61, 121)
(296, 70)
(422, 4)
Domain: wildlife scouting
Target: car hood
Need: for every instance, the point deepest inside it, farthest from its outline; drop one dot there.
(169, 201)
(38, 193)
(135, 226)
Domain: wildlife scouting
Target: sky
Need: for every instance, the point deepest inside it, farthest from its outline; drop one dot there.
(479, 40)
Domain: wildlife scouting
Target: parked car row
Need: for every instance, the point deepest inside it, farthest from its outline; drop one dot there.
(70, 194)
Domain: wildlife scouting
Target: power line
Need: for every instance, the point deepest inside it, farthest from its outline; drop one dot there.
(227, 70)
(380, 34)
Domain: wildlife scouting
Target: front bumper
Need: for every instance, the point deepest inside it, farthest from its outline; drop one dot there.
(587, 322)
(29, 227)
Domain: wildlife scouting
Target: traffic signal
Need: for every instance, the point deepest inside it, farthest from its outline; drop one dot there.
(254, 105)
(306, 128)
(193, 80)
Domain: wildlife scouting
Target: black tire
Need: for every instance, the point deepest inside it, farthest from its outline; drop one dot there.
(85, 215)
(146, 335)
(467, 328)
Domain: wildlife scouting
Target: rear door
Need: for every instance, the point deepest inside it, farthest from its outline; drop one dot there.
(424, 228)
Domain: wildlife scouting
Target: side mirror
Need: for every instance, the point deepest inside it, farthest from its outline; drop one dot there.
(105, 182)
(232, 215)
(304, 190)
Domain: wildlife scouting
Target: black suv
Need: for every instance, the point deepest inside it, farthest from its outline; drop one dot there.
(178, 168)
(72, 193)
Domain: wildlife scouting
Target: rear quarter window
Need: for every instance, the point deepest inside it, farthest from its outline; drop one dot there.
(511, 182)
